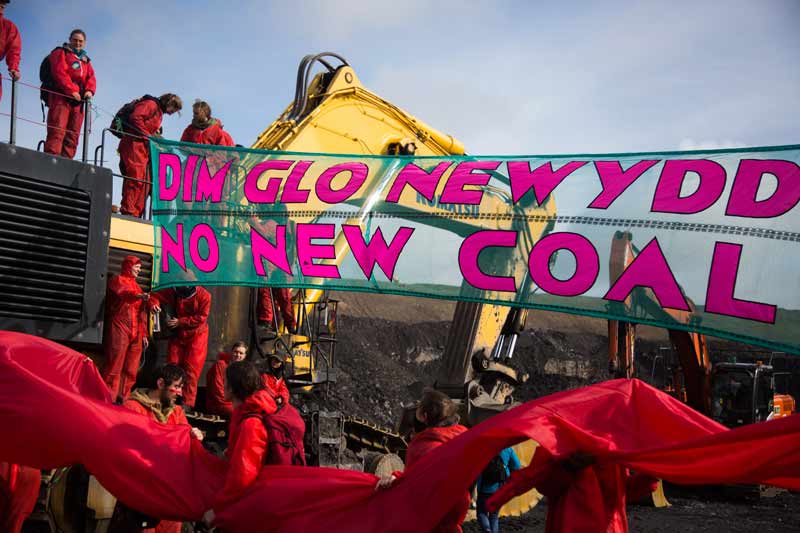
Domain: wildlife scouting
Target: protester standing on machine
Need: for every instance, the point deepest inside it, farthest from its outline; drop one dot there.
(188, 345)
(70, 81)
(216, 404)
(205, 129)
(141, 121)
(10, 44)
(127, 332)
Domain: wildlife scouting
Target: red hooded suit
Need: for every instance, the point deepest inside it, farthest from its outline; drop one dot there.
(188, 347)
(247, 447)
(10, 44)
(212, 133)
(19, 489)
(216, 404)
(127, 316)
(72, 72)
(134, 153)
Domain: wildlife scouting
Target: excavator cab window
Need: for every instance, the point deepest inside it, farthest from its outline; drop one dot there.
(765, 391)
(732, 398)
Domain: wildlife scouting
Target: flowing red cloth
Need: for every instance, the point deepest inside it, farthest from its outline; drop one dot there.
(60, 412)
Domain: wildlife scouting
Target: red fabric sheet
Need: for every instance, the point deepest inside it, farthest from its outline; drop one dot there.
(60, 412)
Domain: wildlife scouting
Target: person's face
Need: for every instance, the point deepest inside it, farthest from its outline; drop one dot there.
(421, 416)
(171, 109)
(135, 269)
(77, 41)
(238, 354)
(274, 362)
(170, 392)
(2, 8)
(199, 114)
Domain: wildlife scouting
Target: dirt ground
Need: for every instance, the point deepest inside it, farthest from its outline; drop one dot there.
(389, 348)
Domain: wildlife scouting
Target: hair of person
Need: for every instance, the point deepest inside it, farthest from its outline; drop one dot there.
(243, 379)
(438, 408)
(169, 98)
(170, 373)
(239, 344)
(200, 104)
(77, 30)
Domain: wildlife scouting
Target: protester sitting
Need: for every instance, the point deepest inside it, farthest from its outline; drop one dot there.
(158, 403)
(437, 412)
(491, 479)
(216, 403)
(273, 378)
(247, 438)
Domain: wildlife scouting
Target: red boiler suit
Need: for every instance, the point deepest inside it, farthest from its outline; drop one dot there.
(211, 134)
(216, 404)
(134, 153)
(72, 73)
(283, 296)
(10, 45)
(188, 347)
(142, 404)
(423, 443)
(277, 386)
(127, 327)
(19, 489)
(247, 448)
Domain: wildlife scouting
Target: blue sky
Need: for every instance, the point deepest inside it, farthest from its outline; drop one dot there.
(503, 77)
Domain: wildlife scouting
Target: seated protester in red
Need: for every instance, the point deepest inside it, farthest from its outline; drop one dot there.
(216, 404)
(10, 44)
(143, 121)
(204, 128)
(19, 490)
(247, 438)
(158, 403)
(72, 77)
(567, 483)
(273, 377)
(437, 412)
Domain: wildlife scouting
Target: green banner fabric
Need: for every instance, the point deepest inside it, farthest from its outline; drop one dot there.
(703, 241)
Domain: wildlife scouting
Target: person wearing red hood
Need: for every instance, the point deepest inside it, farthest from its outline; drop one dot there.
(10, 44)
(273, 378)
(216, 404)
(127, 334)
(134, 152)
(188, 347)
(73, 79)
(247, 439)
(205, 129)
(437, 412)
(19, 490)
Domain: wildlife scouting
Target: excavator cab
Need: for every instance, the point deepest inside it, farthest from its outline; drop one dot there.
(742, 393)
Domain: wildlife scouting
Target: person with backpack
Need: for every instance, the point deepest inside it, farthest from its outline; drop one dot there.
(491, 479)
(10, 44)
(204, 128)
(67, 79)
(134, 123)
(261, 433)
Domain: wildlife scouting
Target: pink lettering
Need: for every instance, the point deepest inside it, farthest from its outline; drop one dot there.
(358, 175)
(274, 253)
(542, 180)
(210, 188)
(307, 252)
(377, 251)
(292, 194)
(418, 179)
(587, 264)
(649, 269)
(172, 248)
(722, 285)
(742, 201)
(454, 192)
(167, 193)
(206, 233)
(188, 177)
(667, 198)
(471, 250)
(615, 180)
(255, 195)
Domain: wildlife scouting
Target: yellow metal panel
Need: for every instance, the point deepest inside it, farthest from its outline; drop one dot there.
(131, 235)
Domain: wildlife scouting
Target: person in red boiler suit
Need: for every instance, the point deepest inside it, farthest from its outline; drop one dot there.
(10, 44)
(216, 404)
(134, 153)
(127, 335)
(205, 129)
(73, 76)
(273, 378)
(188, 346)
